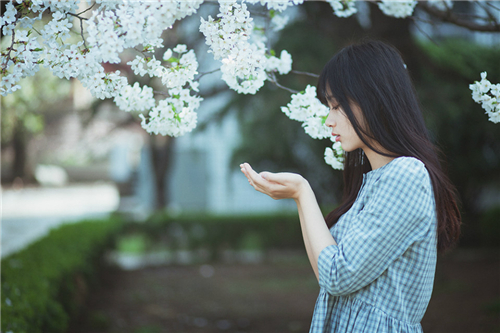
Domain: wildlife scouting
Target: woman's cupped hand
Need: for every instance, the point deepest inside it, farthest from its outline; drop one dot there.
(283, 185)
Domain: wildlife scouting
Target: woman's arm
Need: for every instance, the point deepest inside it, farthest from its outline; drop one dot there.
(315, 232)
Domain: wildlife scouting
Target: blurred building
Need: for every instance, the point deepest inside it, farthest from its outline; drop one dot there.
(203, 178)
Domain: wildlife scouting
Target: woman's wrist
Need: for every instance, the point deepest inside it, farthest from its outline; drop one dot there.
(304, 190)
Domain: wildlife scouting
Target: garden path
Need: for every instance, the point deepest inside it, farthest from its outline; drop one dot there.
(29, 213)
(274, 296)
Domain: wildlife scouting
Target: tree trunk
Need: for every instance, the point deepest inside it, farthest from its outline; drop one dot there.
(162, 156)
(20, 153)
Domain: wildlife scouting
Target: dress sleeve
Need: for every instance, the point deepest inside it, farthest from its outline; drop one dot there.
(398, 213)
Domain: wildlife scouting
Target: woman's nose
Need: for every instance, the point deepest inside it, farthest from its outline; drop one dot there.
(330, 122)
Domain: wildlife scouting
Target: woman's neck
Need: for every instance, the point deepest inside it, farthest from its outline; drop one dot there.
(376, 160)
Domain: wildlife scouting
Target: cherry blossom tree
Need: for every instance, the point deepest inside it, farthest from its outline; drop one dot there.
(80, 37)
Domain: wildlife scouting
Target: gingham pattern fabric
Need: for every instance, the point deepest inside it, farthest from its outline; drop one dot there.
(379, 276)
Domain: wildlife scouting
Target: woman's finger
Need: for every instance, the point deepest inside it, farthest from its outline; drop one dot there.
(249, 173)
(279, 178)
(245, 172)
(255, 179)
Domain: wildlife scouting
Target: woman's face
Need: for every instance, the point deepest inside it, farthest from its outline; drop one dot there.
(342, 128)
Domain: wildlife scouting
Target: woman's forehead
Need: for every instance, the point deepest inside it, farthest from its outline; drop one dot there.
(329, 97)
(328, 94)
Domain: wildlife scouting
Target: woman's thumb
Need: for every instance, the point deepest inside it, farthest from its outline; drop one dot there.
(266, 175)
(272, 177)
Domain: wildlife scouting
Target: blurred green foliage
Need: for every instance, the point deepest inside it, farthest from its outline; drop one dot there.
(217, 233)
(44, 284)
(28, 106)
(469, 142)
(132, 243)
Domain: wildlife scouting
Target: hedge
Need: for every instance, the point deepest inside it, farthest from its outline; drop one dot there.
(44, 284)
(216, 233)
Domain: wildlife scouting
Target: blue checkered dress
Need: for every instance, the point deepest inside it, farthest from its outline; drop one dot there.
(379, 276)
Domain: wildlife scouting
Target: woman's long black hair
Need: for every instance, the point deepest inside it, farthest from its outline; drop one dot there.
(373, 75)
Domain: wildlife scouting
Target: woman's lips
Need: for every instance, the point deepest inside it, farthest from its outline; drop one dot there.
(337, 137)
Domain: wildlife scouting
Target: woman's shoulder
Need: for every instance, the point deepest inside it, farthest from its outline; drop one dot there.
(404, 169)
(407, 164)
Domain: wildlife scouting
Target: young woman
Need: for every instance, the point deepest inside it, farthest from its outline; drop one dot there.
(375, 257)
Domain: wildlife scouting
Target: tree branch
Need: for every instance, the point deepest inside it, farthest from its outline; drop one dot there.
(450, 17)
(415, 19)
(7, 56)
(81, 24)
(161, 93)
(305, 73)
(272, 79)
(491, 17)
(493, 6)
(141, 52)
(86, 10)
(200, 75)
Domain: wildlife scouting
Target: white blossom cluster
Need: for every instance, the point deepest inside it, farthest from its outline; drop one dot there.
(335, 156)
(307, 108)
(282, 65)
(305, 105)
(488, 95)
(25, 48)
(279, 21)
(134, 23)
(397, 8)
(111, 27)
(279, 5)
(104, 85)
(343, 8)
(135, 98)
(244, 64)
(175, 115)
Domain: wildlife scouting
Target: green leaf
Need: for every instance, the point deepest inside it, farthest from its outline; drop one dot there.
(173, 59)
(323, 120)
